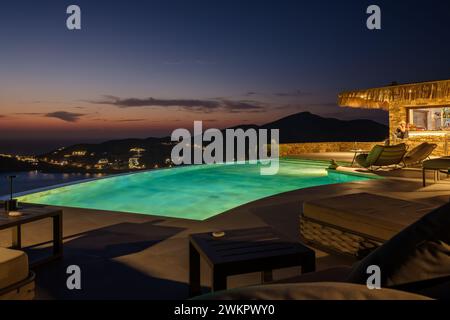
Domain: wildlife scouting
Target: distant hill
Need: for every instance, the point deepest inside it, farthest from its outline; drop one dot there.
(308, 127)
(116, 155)
(155, 151)
(114, 147)
(300, 127)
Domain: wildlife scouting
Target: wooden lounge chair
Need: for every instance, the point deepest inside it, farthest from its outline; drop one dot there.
(382, 156)
(419, 154)
(414, 264)
(16, 280)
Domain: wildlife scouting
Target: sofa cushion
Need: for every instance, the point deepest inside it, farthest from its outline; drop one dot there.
(369, 214)
(419, 253)
(419, 153)
(311, 291)
(13, 267)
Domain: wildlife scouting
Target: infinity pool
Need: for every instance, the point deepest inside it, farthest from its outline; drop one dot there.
(192, 192)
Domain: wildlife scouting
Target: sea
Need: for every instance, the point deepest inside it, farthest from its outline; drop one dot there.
(27, 181)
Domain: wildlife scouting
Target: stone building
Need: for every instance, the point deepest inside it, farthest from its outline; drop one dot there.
(424, 106)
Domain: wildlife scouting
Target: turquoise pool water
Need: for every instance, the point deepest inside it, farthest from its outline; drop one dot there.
(194, 192)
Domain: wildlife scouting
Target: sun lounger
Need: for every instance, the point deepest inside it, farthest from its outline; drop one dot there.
(419, 154)
(16, 280)
(382, 156)
(356, 224)
(437, 165)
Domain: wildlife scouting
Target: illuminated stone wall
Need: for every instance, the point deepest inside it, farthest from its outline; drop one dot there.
(395, 99)
(291, 149)
(397, 114)
(441, 141)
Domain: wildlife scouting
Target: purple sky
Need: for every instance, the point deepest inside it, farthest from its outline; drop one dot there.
(143, 68)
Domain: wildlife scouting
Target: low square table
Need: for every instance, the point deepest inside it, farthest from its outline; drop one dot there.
(32, 213)
(244, 251)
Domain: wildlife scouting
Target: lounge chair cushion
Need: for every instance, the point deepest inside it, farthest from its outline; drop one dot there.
(374, 154)
(419, 153)
(381, 156)
(366, 160)
(13, 267)
(311, 291)
(372, 215)
(361, 159)
(419, 253)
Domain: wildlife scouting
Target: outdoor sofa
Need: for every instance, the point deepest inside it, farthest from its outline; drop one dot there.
(414, 264)
(16, 280)
(356, 224)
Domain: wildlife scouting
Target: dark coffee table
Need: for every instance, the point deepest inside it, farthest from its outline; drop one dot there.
(244, 251)
(32, 213)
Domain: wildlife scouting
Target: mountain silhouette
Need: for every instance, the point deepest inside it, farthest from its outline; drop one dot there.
(308, 127)
(296, 128)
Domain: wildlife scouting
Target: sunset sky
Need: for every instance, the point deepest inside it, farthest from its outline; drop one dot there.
(143, 68)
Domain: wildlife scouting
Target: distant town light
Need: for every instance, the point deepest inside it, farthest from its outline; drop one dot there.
(133, 163)
(79, 153)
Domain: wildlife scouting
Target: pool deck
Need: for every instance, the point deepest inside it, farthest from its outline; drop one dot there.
(131, 256)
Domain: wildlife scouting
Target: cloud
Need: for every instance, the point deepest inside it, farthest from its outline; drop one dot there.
(195, 105)
(64, 116)
(242, 106)
(61, 115)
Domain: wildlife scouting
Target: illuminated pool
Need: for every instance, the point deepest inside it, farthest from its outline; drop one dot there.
(191, 192)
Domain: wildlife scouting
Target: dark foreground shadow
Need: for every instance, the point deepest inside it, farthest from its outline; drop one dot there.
(104, 276)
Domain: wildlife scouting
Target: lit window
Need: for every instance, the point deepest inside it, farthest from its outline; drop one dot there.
(429, 118)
